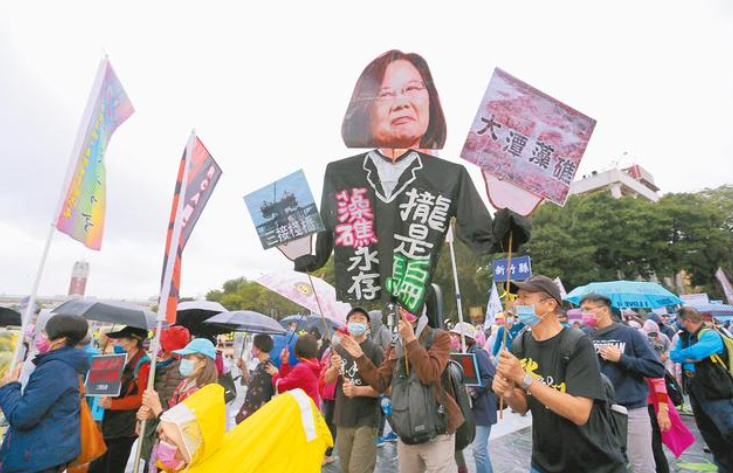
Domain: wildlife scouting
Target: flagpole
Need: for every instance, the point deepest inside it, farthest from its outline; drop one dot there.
(458, 289)
(166, 287)
(318, 301)
(507, 287)
(80, 134)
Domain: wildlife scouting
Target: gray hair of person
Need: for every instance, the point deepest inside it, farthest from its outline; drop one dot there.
(691, 314)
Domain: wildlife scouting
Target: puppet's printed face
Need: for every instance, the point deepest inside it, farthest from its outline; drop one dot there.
(400, 115)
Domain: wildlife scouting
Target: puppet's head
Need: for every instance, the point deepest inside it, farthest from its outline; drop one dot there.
(395, 105)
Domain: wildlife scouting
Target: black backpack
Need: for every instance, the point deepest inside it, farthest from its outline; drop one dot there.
(615, 415)
(453, 385)
(417, 416)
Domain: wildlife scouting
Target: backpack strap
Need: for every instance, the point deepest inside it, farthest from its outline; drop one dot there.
(716, 357)
(569, 343)
(518, 341)
(141, 361)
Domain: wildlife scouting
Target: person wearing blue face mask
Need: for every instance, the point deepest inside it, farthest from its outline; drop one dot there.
(357, 411)
(198, 369)
(552, 371)
(118, 426)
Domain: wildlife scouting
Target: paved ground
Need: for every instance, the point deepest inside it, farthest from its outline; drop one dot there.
(511, 446)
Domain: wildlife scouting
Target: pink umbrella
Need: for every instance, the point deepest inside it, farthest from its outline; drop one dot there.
(296, 287)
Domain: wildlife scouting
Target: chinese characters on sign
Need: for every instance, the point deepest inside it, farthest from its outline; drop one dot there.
(527, 138)
(521, 269)
(356, 219)
(284, 211)
(84, 206)
(422, 213)
(105, 375)
(356, 231)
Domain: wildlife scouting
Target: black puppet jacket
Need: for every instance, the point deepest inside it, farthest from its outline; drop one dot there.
(386, 244)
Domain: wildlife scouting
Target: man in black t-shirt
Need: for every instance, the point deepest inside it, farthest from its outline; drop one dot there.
(357, 413)
(563, 390)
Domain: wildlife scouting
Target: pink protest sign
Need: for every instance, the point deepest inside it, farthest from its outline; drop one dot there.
(526, 138)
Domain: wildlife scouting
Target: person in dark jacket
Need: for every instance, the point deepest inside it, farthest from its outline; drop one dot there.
(626, 357)
(484, 400)
(118, 426)
(44, 434)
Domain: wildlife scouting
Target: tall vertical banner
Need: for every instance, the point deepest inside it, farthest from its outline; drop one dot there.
(82, 211)
(727, 288)
(493, 307)
(198, 175)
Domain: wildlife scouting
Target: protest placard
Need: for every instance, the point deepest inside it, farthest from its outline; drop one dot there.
(470, 368)
(105, 375)
(526, 138)
(284, 211)
(521, 269)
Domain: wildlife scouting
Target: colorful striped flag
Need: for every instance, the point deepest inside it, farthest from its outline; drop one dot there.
(82, 211)
(198, 175)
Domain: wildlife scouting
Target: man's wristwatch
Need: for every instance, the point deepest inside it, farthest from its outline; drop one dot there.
(526, 382)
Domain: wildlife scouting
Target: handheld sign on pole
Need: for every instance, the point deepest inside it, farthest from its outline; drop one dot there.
(105, 375)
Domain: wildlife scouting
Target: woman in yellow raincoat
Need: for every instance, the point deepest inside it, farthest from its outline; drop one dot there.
(286, 435)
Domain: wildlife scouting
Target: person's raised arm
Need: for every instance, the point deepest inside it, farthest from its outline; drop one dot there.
(574, 408)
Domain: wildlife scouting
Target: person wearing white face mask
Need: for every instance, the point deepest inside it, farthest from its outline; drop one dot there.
(198, 368)
(357, 411)
(553, 372)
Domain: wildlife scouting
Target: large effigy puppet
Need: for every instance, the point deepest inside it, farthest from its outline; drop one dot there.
(387, 211)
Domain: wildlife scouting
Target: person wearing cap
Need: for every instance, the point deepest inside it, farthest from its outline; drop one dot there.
(484, 400)
(44, 433)
(198, 369)
(167, 378)
(357, 413)
(552, 370)
(626, 358)
(429, 363)
(118, 426)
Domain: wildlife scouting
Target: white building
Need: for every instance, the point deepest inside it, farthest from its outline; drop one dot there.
(633, 181)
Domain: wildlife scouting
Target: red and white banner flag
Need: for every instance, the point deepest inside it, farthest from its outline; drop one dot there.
(198, 174)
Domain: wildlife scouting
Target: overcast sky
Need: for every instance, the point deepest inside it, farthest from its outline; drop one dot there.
(266, 85)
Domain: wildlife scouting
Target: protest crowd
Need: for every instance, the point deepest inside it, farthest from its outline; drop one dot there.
(607, 372)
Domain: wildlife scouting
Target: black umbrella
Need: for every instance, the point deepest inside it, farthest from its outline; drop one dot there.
(306, 322)
(192, 315)
(119, 313)
(246, 321)
(10, 317)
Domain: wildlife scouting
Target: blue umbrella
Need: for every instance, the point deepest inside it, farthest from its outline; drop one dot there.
(627, 294)
(246, 321)
(306, 322)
